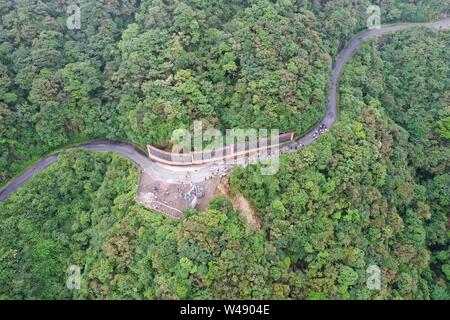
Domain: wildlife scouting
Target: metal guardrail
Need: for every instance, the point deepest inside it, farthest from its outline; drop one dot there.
(213, 155)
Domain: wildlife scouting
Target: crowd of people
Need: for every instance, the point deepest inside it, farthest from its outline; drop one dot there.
(322, 129)
(297, 145)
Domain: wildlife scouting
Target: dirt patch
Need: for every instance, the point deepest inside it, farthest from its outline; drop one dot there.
(167, 199)
(160, 197)
(240, 203)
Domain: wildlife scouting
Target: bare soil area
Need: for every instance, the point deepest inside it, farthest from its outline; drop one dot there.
(167, 198)
(240, 203)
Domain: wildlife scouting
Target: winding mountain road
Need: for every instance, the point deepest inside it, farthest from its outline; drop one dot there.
(173, 174)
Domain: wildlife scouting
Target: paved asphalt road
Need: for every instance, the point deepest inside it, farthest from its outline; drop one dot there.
(173, 174)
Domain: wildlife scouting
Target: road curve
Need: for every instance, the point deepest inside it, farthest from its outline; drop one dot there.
(172, 174)
(344, 56)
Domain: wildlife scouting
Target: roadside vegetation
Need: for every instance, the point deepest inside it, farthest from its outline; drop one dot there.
(374, 190)
(367, 193)
(138, 73)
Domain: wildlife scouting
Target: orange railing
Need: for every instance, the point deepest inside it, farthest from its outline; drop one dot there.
(207, 156)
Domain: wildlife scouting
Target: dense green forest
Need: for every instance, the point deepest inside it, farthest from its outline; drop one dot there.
(374, 191)
(137, 70)
(66, 215)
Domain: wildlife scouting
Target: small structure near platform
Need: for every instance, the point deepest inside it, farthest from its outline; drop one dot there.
(192, 196)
